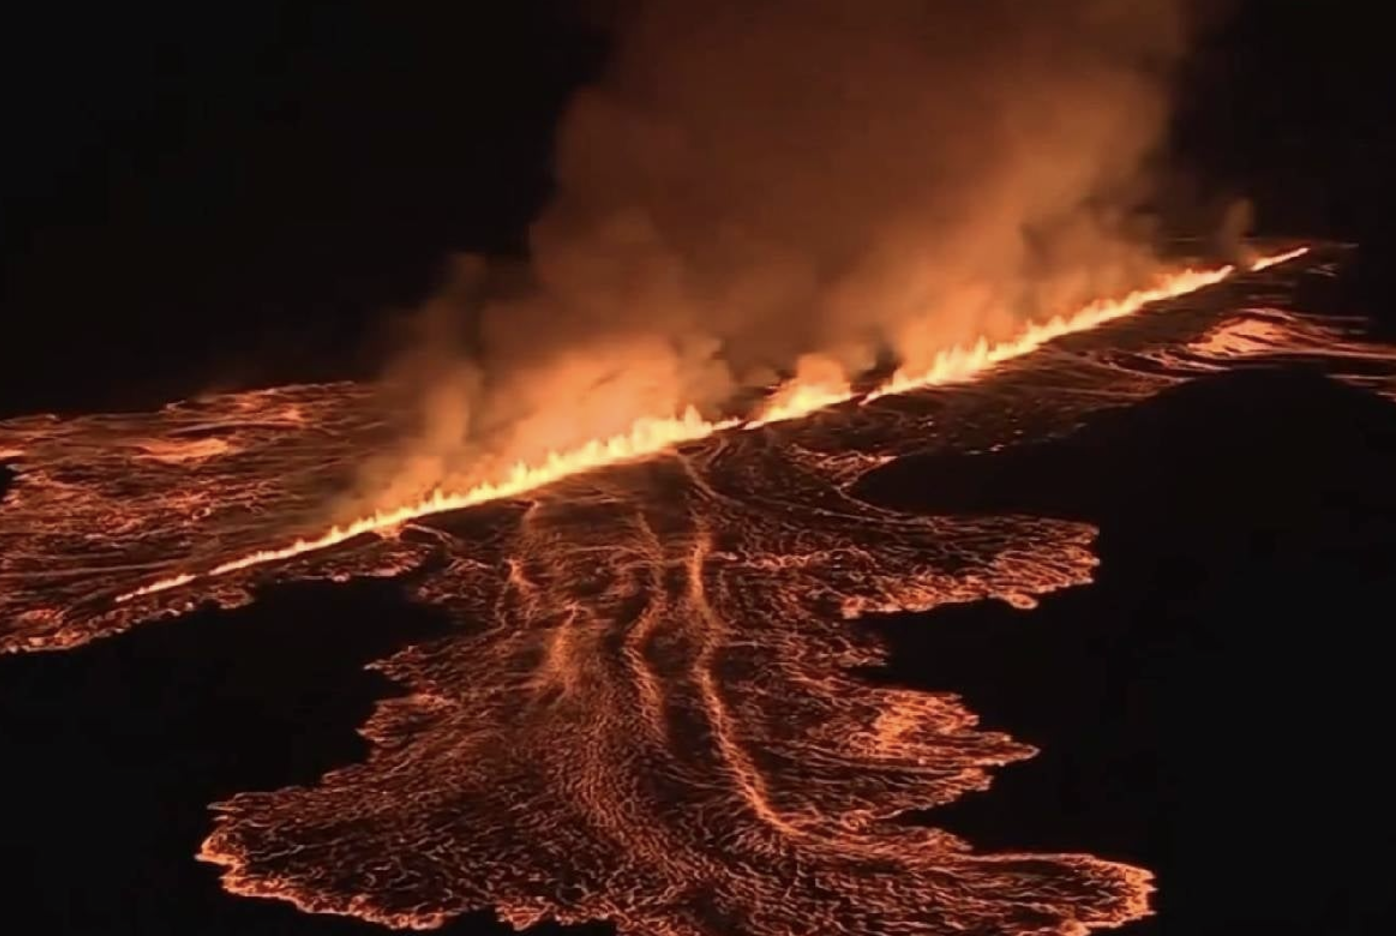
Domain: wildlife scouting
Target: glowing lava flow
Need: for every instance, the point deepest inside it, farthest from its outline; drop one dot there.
(800, 398)
(645, 437)
(1275, 259)
(960, 363)
(796, 399)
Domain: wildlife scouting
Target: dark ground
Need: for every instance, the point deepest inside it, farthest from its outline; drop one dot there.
(1211, 708)
(236, 201)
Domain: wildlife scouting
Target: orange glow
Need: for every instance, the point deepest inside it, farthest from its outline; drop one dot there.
(821, 386)
(819, 382)
(1275, 259)
(645, 437)
(961, 363)
(796, 398)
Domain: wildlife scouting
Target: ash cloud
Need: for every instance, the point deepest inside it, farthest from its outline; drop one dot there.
(760, 186)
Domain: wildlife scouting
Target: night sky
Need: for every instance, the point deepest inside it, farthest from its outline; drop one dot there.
(200, 199)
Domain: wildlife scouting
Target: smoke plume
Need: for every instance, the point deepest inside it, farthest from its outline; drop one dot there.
(762, 187)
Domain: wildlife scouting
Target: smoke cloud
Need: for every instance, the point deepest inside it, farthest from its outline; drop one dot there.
(757, 187)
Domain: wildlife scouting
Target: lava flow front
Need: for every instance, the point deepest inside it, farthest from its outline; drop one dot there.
(649, 713)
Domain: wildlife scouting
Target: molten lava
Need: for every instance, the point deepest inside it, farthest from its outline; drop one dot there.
(645, 437)
(961, 363)
(793, 400)
(651, 712)
(1264, 263)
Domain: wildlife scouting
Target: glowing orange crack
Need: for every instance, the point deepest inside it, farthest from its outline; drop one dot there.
(646, 436)
(959, 363)
(794, 400)
(1276, 259)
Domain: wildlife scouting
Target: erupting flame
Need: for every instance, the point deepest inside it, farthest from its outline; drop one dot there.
(645, 437)
(1275, 259)
(795, 399)
(802, 396)
(960, 363)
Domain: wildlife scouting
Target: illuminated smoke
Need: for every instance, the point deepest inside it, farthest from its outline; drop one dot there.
(652, 713)
(760, 187)
(812, 389)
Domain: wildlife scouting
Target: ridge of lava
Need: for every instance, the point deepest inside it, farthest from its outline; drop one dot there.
(794, 399)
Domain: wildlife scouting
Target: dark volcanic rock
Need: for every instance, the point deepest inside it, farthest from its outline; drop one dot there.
(1213, 707)
(112, 753)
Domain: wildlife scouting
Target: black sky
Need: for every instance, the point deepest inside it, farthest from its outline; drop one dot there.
(198, 197)
(233, 195)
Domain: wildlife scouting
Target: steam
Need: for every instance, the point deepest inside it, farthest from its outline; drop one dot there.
(759, 187)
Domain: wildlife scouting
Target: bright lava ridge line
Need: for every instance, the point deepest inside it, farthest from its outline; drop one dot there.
(649, 435)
